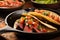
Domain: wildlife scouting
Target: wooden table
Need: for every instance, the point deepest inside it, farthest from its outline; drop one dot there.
(12, 34)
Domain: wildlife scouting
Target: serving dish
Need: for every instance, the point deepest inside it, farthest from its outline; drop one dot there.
(53, 6)
(5, 11)
(8, 3)
(12, 17)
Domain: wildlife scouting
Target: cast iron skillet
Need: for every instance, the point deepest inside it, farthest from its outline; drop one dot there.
(12, 17)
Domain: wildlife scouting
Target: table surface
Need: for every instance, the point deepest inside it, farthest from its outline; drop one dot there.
(27, 5)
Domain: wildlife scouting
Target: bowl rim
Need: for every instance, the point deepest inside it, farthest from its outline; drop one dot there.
(24, 31)
(13, 7)
(43, 4)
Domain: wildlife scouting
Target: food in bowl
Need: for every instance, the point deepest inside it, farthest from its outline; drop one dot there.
(54, 4)
(31, 23)
(10, 3)
(46, 1)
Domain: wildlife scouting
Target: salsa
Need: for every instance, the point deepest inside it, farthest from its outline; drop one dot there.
(10, 3)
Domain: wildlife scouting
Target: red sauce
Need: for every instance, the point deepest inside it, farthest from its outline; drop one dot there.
(10, 3)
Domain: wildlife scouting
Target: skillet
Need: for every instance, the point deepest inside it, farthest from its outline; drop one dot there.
(12, 17)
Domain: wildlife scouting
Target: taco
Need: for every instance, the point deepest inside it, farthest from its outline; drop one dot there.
(47, 15)
(30, 23)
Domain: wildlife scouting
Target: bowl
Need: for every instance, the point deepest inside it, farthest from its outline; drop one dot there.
(6, 10)
(7, 7)
(52, 6)
(12, 17)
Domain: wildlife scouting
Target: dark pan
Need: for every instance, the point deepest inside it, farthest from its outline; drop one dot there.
(12, 17)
